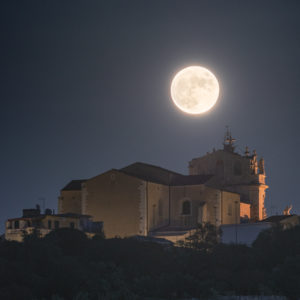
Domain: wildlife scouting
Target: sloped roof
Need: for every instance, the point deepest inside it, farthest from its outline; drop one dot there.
(74, 185)
(149, 173)
(163, 176)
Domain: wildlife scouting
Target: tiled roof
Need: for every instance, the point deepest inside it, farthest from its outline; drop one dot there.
(163, 176)
(74, 185)
(149, 173)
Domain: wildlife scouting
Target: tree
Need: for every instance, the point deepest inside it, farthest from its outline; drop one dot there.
(71, 241)
(273, 245)
(286, 277)
(204, 237)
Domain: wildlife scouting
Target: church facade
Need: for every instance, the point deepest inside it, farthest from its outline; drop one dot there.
(222, 187)
(242, 174)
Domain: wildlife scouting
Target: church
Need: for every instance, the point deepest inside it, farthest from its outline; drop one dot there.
(223, 187)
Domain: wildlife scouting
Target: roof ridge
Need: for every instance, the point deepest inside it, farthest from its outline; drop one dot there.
(153, 166)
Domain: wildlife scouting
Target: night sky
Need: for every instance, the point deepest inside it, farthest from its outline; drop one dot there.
(85, 87)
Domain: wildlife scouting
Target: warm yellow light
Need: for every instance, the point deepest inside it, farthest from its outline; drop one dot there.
(195, 90)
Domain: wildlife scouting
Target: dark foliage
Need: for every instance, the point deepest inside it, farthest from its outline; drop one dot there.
(204, 238)
(67, 265)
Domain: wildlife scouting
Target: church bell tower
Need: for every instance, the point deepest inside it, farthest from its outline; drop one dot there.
(240, 173)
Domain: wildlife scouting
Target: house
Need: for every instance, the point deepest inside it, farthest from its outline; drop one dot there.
(33, 220)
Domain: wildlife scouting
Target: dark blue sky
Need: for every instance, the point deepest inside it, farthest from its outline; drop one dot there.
(85, 88)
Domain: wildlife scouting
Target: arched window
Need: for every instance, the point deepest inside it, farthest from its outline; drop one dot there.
(186, 207)
(237, 168)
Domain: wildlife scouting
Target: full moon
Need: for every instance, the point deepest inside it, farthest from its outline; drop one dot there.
(195, 90)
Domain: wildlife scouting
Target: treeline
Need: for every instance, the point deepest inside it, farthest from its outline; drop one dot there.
(67, 265)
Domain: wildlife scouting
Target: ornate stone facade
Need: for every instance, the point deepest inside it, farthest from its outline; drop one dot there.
(243, 174)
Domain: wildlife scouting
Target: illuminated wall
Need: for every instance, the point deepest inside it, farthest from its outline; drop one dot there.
(113, 198)
(69, 202)
(206, 205)
(234, 172)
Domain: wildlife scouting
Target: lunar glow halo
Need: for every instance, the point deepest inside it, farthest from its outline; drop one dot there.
(195, 90)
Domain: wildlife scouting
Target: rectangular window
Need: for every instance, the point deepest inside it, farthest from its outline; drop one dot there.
(17, 224)
(56, 224)
(49, 224)
(72, 225)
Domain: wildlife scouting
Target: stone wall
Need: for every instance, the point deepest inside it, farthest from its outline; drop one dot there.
(236, 173)
(158, 205)
(69, 202)
(114, 198)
